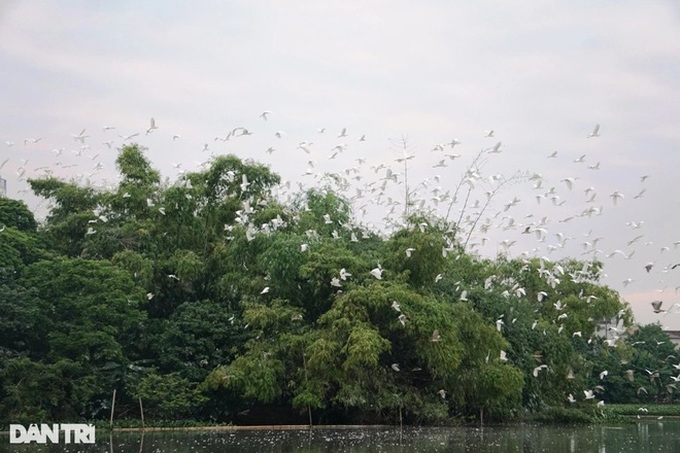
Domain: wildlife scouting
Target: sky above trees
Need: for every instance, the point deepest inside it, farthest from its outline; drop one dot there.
(540, 76)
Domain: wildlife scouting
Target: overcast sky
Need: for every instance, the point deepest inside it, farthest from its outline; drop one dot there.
(541, 75)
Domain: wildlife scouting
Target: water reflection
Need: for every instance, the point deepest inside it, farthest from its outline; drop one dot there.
(642, 436)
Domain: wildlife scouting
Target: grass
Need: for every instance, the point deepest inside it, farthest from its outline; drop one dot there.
(652, 410)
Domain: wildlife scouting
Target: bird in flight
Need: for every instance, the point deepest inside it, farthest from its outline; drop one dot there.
(595, 132)
(80, 137)
(656, 306)
(152, 126)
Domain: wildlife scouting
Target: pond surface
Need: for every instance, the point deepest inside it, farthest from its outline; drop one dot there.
(638, 437)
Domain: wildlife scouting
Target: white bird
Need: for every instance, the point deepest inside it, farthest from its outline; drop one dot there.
(616, 196)
(409, 252)
(396, 306)
(603, 374)
(595, 132)
(640, 194)
(344, 274)
(264, 114)
(569, 182)
(152, 126)
(80, 137)
(571, 398)
(436, 337)
(589, 394)
(496, 148)
(395, 367)
(538, 369)
(265, 290)
(377, 273)
(343, 133)
(128, 137)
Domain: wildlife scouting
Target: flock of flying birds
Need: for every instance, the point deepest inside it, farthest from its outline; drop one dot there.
(386, 186)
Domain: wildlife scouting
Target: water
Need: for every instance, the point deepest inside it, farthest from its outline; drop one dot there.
(640, 437)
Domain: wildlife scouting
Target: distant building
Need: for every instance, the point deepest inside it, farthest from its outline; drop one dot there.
(674, 335)
(3, 187)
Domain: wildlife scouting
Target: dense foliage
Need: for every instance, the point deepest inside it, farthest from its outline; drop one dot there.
(209, 298)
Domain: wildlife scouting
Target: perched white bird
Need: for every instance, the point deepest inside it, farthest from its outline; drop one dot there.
(377, 273)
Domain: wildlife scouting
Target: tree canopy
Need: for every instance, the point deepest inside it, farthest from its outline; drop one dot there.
(209, 296)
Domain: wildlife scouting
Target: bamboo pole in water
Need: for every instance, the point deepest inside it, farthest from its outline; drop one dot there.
(113, 406)
(141, 411)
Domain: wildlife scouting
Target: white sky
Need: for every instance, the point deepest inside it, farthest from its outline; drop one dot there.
(540, 74)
